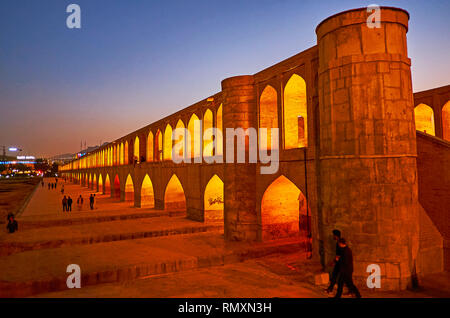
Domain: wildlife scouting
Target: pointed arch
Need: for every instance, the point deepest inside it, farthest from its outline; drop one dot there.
(180, 143)
(147, 193)
(94, 181)
(283, 207)
(126, 153)
(268, 116)
(90, 181)
(158, 146)
(208, 141)
(150, 146)
(424, 118)
(122, 161)
(213, 200)
(107, 185)
(194, 145)
(295, 113)
(446, 121)
(117, 187)
(100, 183)
(174, 198)
(168, 143)
(129, 189)
(219, 126)
(136, 150)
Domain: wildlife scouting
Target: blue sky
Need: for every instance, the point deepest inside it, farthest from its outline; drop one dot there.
(134, 61)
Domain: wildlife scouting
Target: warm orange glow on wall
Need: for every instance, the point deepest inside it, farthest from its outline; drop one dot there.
(100, 183)
(295, 113)
(213, 200)
(181, 141)
(129, 189)
(268, 115)
(159, 146)
(147, 194)
(174, 198)
(126, 153)
(107, 186)
(194, 128)
(168, 143)
(117, 187)
(208, 145)
(94, 181)
(424, 117)
(281, 207)
(136, 149)
(219, 126)
(150, 147)
(446, 121)
(121, 154)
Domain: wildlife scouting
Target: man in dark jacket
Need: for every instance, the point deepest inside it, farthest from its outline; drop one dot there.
(335, 273)
(12, 224)
(69, 204)
(346, 271)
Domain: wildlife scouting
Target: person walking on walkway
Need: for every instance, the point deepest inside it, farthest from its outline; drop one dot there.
(69, 204)
(346, 271)
(64, 204)
(12, 224)
(48, 185)
(91, 201)
(335, 272)
(80, 203)
(62, 190)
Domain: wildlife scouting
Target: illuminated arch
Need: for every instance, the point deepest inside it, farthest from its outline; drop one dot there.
(90, 180)
(180, 142)
(100, 183)
(219, 126)
(214, 200)
(283, 207)
(168, 143)
(129, 189)
(208, 141)
(158, 146)
(424, 118)
(194, 128)
(126, 153)
(174, 198)
(136, 149)
(107, 185)
(150, 146)
(117, 187)
(295, 113)
(94, 182)
(268, 115)
(122, 161)
(147, 194)
(446, 121)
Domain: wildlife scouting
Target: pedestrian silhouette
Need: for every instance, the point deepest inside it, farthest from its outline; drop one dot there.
(80, 203)
(64, 203)
(69, 204)
(12, 224)
(346, 271)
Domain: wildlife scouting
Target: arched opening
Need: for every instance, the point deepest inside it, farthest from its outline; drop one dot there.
(424, 118)
(174, 198)
(129, 189)
(147, 194)
(194, 128)
(213, 201)
(268, 116)
(168, 143)
(117, 187)
(208, 139)
(125, 153)
(219, 125)
(283, 208)
(159, 146)
(90, 181)
(107, 186)
(136, 150)
(121, 154)
(100, 183)
(295, 113)
(150, 147)
(180, 142)
(94, 182)
(446, 121)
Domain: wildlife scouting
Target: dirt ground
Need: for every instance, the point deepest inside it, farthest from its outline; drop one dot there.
(13, 194)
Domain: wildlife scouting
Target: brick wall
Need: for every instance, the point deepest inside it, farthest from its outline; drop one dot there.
(433, 169)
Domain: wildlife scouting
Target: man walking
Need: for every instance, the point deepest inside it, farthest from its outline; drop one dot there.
(91, 202)
(346, 271)
(12, 224)
(335, 273)
(64, 204)
(80, 203)
(69, 204)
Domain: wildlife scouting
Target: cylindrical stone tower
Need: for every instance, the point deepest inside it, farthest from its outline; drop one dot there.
(368, 177)
(239, 111)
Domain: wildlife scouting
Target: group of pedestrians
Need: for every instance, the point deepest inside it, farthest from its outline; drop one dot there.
(67, 203)
(343, 268)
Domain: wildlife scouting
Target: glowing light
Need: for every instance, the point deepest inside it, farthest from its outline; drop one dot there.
(424, 118)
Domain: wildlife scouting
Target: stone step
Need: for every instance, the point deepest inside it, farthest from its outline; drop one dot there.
(93, 217)
(128, 260)
(47, 238)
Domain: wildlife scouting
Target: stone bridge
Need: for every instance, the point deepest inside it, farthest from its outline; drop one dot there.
(347, 151)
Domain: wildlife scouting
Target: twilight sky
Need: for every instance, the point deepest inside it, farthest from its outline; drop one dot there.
(134, 61)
